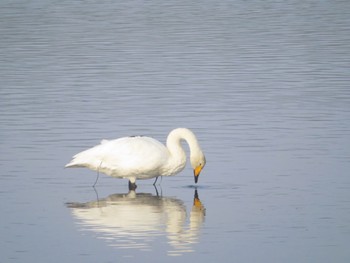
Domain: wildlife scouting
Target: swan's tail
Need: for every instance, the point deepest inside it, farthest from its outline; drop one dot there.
(84, 159)
(72, 164)
(90, 158)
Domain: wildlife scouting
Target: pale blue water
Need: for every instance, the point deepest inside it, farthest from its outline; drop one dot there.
(264, 85)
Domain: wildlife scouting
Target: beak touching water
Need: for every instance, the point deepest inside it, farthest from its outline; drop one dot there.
(196, 173)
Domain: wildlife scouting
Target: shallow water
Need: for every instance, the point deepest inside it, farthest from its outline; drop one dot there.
(264, 85)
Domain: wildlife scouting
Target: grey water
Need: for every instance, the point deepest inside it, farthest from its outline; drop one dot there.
(263, 84)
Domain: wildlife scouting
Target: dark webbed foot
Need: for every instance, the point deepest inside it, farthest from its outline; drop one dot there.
(132, 186)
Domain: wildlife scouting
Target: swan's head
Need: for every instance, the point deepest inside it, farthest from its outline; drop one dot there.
(198, 162)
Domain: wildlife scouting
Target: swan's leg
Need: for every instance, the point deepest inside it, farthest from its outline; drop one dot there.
(155, 181)
(132, 185)
(98, 174)
(155, 187)
(161, 178)
(157, 192)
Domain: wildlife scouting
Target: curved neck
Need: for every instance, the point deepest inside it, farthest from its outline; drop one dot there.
(174, 139)
(177, 156)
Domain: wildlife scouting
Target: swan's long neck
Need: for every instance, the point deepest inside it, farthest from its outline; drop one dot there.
(177, 155)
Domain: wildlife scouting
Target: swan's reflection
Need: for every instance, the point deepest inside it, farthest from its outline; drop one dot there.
(134, 220)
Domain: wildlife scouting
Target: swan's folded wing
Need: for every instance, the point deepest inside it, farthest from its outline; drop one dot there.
(134, 155)
(124, 156)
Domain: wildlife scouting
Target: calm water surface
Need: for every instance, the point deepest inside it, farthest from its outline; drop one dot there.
(263, 84)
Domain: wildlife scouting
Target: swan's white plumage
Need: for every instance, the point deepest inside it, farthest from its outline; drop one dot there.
(141, 157)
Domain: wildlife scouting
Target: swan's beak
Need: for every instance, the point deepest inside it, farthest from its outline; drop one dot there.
(196, 173)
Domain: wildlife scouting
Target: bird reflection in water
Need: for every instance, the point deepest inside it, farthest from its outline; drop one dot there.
(135, 220)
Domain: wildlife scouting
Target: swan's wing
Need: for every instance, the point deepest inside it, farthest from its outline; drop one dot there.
(124, 156)
(134, 154)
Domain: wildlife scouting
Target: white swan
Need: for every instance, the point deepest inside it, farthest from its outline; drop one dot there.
(141, 157)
